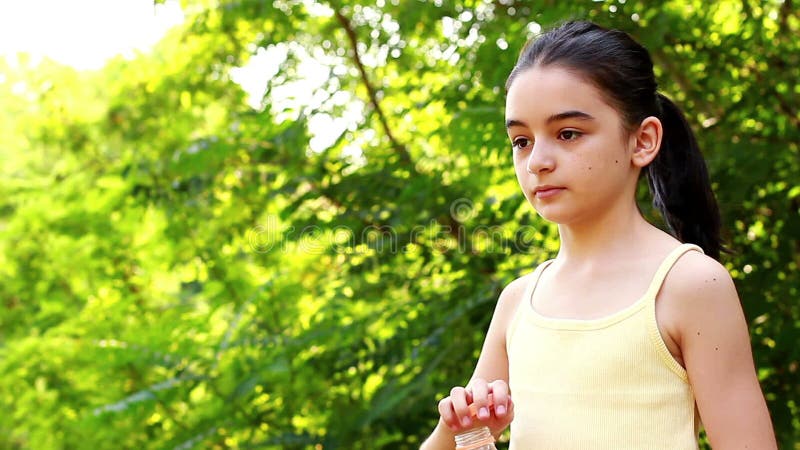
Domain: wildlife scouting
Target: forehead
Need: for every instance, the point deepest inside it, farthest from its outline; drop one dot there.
(540, 92)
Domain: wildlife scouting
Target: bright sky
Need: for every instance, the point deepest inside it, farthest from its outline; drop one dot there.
(86, 33)
(83, 33)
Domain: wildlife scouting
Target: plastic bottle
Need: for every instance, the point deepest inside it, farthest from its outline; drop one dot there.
(475, 439)
(478, 438)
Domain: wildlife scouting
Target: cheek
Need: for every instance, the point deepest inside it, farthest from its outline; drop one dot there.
(605, 157)
(519, 165)
(522, 175)
(586, 164)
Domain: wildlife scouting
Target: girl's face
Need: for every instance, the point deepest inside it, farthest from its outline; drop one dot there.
(572, 156)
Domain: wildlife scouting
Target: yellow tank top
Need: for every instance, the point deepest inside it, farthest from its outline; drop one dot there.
(608, 383)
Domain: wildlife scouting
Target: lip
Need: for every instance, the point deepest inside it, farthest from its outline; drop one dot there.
(547, 191)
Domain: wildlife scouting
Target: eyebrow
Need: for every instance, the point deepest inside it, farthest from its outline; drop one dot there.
(553, 118)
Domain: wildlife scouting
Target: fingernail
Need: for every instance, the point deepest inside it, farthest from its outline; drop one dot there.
(466, 422)
(483, 413)
(500, 410)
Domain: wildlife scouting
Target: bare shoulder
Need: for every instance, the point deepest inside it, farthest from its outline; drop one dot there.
(510, 298)
(699, 288)
(696, 275)
(514, 290)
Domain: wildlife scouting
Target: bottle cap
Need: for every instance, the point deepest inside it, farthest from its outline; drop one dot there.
(473, 408)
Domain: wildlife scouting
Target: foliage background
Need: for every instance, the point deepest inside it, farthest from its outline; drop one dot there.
(179, 269)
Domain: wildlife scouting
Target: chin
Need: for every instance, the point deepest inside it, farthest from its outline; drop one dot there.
(545, 214)
(554, 215)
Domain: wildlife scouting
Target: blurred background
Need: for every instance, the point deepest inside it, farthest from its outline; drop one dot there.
(284, 224)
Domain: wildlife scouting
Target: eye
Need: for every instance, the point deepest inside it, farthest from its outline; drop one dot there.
(569, 135)
(521, 143)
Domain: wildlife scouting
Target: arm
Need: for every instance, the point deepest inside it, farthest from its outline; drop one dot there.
(715, 346)
(492, 365)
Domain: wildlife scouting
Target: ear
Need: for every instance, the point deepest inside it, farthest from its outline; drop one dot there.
(647, 141)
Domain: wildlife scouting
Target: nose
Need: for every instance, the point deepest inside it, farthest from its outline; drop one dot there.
(540, 159)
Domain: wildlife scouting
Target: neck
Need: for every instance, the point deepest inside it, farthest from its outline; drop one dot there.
(611, 234)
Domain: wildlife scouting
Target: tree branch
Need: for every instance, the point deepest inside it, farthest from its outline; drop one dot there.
(783, 20)
(373, 98)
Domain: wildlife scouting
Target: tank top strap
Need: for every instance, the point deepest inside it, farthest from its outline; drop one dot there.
(666, 266)
(523, 307)
(535, 279)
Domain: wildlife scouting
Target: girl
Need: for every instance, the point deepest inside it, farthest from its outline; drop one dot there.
(630, 337)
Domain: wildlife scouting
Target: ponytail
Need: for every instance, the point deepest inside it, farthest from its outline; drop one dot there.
(678, 180)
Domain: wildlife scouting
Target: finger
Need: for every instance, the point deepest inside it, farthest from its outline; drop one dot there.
(448, 414)
(480, 399)
(500, 397)
(458, 397)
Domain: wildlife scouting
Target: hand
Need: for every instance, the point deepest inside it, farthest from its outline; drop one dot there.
(480, 404)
